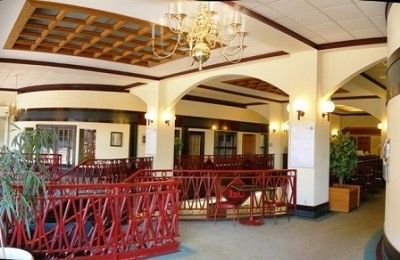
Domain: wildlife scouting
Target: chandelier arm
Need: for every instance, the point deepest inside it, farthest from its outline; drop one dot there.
(168, 55)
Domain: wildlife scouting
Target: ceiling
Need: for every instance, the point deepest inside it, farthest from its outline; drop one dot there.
(116, 36)
(325, 21)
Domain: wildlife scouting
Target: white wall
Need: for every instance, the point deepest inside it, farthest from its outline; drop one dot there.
(103, 132)
(358, 121)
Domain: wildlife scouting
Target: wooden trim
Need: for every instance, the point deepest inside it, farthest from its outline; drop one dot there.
(241, 94)
(303, 39)
(351, 43)
(388, 249)
(77, 67)
(351, 114)
(255, 104)
(272, 24)
(8, 90)
(374, 81)
(222, 64)
(214, 101)
(362, 130)
(355, 97)
(79, 87)
(26, 12)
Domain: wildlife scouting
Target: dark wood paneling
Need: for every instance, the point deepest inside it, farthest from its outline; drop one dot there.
(218, 65)
(355, 97)
(83, 115)
(350, 43)
(133, 140)
(77, 67)
(374, 81)
(362, 130)
(207, 123)
(241, 94)
(214, 101)
(84, 87)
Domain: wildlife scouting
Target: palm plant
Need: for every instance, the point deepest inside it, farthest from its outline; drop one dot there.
(343, 157)
(22, 176)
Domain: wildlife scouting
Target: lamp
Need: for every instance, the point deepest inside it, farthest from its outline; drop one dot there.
(274, 127)
(149, 116)
(214, 127)
(168, 117)
(199, 33)
(380, 125)
(285, 127)
(299, 106)
(327, 108)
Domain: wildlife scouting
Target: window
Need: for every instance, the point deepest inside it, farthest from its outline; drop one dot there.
(225, 143)
(65, 143)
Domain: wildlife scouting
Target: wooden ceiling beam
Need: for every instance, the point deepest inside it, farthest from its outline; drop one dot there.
(50, 27)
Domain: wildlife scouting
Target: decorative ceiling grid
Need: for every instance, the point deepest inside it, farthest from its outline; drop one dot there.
(71, 30)
(325, 21)
(256, 84)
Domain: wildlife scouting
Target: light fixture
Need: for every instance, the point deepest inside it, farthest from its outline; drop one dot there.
(200, 33)
(299, 105)
(274, 127)
(327, 108)
(168, 117)
(285, 127)
(380, 125)
(214, 127)
(149, 116)
(334, 132)
(13, 109)
(225, 128)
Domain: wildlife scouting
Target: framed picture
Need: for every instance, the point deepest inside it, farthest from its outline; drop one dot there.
(116, 139)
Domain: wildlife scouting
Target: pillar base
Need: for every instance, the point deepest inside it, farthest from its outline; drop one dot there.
(388, 250)
(312, 211)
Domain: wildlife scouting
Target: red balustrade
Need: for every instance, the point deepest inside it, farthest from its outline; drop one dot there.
(105, 170)
(224, 162)
(201, 190)
(101, 221)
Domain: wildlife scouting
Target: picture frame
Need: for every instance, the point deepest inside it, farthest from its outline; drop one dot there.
(116, 139)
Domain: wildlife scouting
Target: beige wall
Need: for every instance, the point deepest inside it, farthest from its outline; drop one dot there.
(103, 132)
(358, 121)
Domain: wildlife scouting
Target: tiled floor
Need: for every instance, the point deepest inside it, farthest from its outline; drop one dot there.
(335, 236)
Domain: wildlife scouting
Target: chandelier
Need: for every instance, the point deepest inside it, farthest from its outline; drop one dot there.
(13, 109)
(200, 33)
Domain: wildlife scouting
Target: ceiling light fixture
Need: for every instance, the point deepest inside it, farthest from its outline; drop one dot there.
(200, 33)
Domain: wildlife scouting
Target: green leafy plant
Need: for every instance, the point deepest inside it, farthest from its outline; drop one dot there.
(22, 175)
(343, 157)
(178, 146)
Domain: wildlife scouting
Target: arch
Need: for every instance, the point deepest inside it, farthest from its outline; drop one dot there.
(340, 66)
(274, 71)
(374, 109)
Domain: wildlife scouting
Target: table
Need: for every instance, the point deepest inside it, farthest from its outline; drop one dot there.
(252, 221)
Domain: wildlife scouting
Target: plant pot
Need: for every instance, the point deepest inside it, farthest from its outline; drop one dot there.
(344, 198)
(15, 253)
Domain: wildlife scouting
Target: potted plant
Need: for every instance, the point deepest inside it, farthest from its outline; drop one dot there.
(343, 162)
(22, 181)
(178, 146)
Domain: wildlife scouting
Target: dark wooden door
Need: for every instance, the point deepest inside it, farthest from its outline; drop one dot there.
(249, 144)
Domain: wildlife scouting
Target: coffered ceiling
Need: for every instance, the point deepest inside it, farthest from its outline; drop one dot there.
(325, 21)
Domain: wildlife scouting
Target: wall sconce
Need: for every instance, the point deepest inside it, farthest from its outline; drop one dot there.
(225, 128)
(299, 106)
(168, 117)
(380, 126)
(327, 108)
(274, 127)
(334, 132)
(149, 116)
(214, 127)
(285, 127)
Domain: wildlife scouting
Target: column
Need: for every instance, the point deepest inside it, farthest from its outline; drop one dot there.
(391, 241)
(159, 132)
(313, 177)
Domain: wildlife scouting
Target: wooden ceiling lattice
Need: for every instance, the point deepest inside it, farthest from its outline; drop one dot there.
(78, 31)
(253, 83)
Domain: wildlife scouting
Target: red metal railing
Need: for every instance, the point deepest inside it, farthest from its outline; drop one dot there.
(224, 162)
(105, 170)
(274, 190)
(121, 221)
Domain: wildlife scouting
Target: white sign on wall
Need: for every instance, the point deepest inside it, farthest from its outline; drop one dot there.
(301, 152)
(150, 146)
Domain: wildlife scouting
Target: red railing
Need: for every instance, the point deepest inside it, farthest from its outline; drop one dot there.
(225, 162)
(101, 221)
(105, 170)
(201, 190)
